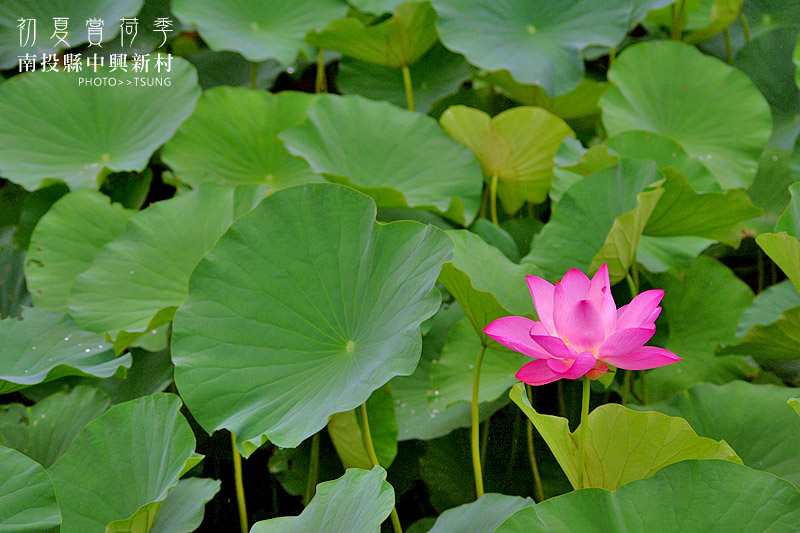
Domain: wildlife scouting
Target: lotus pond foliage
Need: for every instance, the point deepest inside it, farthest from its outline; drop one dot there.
(386, 265)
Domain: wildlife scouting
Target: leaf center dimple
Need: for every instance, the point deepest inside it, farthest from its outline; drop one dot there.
(350, 346)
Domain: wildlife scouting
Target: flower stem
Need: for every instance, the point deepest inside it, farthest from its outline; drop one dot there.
(493, 198)
(626, 387)
(476, 428)
(728, 47)
(320, 82)
(537, 479)
(562, 404)
(584, 431)
(643, 381)
(677, 21)
(373, 457)
(237, 476)
(253, 75)
(409, 89)
(745, 27)
(313, 469)
(612, 56)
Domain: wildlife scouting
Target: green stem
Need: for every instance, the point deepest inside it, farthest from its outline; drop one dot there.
(745, 27)
(253, 75)
(476, 428)
(485, 440)
(409, 89)
(677, 21)
(626, 387)
(373, 457)
(631, 286)
(761, 273)
(313, 469)
(320, 84)
(584, 431)
(728, 47)
(643, 380)
(493, 198)
(237, 476)
(562, 405)
(537, 479)
(612, 56)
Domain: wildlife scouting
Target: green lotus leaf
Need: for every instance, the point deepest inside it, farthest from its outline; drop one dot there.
(484, 514)
(599, 218)
(451, 373)
(230, 68)
(642, 7)
(709, 495)
(537, 42)
(754, 419)
(358, 501)
(146, 440)
(637, 144)
(485, 283)
(784, 250)
(46, 345)
(27, 499)
(44, 12)
(65, 241)
(303, 334)
(682, 212)
(423, 414)
(256, 30)
(622, 445)
(656, 89)
(790, 220)
(345, 432)
(396, 42)
(50, 130)
(438, 73)
(702, 308)
(517, 146)
(136, 281)
(376, 7)
(44, 431)
(769, 327)
(768, 62)
(401, 159)
(182, 511)
(231, 138)
(659, 254)
(578, 103)
(712, 17)
(770, 190)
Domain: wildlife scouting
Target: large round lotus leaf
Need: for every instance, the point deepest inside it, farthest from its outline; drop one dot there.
(714, 496)
(44, 11)
(435, 75)
(484, 514)
(27, 499)
(358, 501)
(622, 445)
(768, 62)
(44, 431)
(753, 419)
(146, 442)
(65, 241)
(303, 309)
(45, 345)
(401, 159)
(518, 146)
(51, 129)
(145, 271)
(537, 41)
(395, 42)
(258, 30)
(231, 137)
(719, 118)
(702, 307)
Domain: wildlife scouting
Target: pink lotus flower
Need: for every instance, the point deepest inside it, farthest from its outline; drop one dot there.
(581, 332)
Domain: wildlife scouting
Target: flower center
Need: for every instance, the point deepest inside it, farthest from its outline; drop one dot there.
(566, 340)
